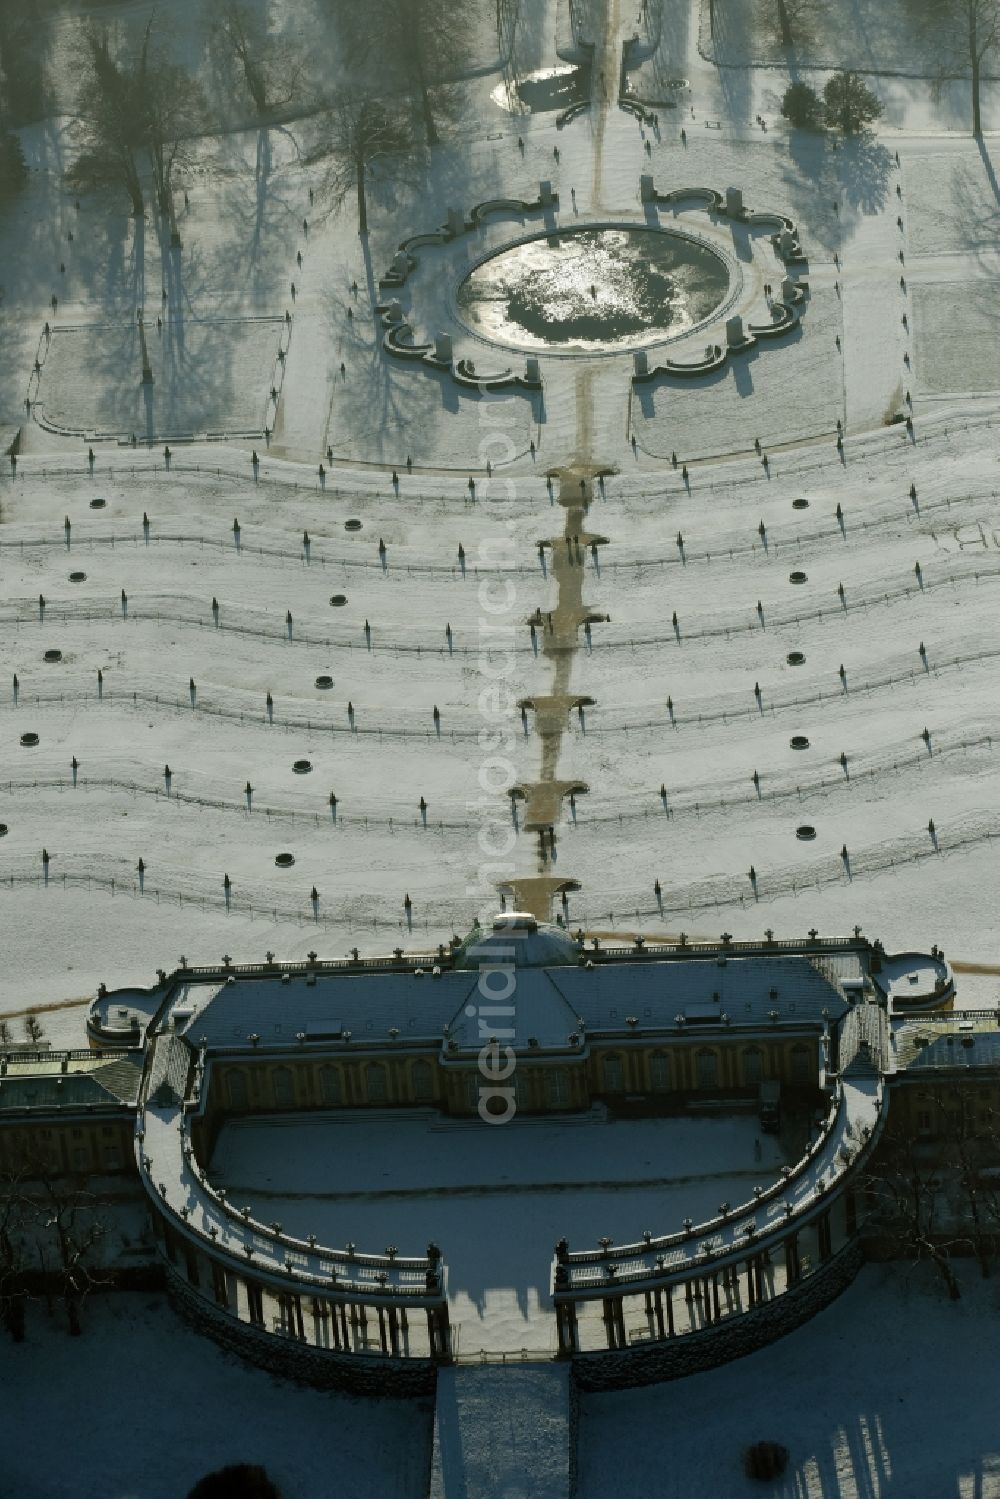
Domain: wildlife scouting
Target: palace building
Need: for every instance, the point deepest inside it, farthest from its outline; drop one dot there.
(525, 1018)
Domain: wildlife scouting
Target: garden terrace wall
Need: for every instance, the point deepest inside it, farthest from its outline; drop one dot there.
(324, 1369)
(730, 1339)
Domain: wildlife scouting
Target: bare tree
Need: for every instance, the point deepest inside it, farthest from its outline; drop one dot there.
(21, 90)
(109, 122)
(134, 109)
(69, 1214)
(420, 43)
(262, 66)
(789, 17)
(964, 35)
(13, 1263)
(509, 15)
(906, 1187)
(33, 1028)
(362, 132)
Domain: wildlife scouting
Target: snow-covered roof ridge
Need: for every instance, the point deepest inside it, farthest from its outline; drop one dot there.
(169, 1069)
(863, 1041)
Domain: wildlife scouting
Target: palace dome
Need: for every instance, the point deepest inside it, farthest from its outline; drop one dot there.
(518, 937)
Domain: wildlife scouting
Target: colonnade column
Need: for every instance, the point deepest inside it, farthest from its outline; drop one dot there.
(793, 1265)
(566, 1327)
(614, 1321)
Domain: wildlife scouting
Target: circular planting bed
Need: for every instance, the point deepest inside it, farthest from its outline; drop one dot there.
(799, 741)
(98, 504)
(795, 658)
(302, 767)
(78, 577)
(52, 656)
(29, 740)
(338, 600)
(806, 832)
(353, 524)
(284, 861)
(797, 577)
(324, 682)
(800, 504)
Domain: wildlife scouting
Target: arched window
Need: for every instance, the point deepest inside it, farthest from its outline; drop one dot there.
(330, 1089)
(659, 1072)
(802, 1065)
(557, 1088)
(708, 1069)
(375, 1083)
(422, 1081)
(236, 1090)
(283, 1085)
(753, 1065)
(614, 1076)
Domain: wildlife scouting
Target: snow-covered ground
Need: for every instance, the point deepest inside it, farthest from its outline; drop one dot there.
(879, 1397)
(190, 1409)
(495, 1200)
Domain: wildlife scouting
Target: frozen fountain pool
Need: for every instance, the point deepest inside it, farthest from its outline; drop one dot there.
(595, 289)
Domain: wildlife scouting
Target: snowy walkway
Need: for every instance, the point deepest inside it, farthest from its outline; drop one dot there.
(503, 1431)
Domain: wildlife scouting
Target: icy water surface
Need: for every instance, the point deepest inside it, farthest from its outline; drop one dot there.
(593, 289)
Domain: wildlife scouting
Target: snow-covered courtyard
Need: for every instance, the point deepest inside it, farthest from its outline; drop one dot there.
(496, 1200)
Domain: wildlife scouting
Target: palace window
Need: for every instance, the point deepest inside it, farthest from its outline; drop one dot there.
(330, 1090)
(659, 1072)
(236, 1089)
(255, 1303)
(753, 1065)
(614, 1076)
(284, 1086)
(422, 1081)
(375, 1082)
(557, 1088)
(708, 1069)
(219, 1287)
(802, 1068)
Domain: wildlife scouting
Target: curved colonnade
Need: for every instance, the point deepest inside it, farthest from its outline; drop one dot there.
(249, 1285)
(700, 1283)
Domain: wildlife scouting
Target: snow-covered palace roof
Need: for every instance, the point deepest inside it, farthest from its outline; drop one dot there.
(535, 984)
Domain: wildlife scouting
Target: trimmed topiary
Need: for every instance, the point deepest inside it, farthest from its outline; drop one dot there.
(765, 1461)
(238, 1481)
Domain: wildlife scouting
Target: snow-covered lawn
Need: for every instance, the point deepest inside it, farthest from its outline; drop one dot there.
(698, 419)
(871, 35)
(207, 377)
(957, 339)
(193, 1409)
(879, 1397)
